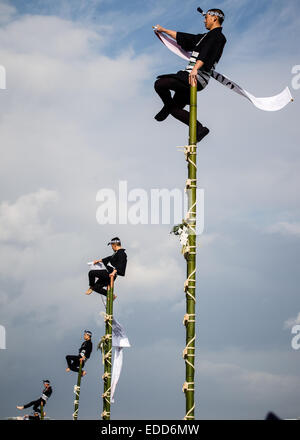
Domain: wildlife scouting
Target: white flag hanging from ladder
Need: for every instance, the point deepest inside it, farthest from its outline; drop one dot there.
(271, 103)
(119, 341)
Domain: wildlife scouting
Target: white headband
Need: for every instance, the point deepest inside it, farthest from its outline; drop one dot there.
(114, 241)
(218, 14)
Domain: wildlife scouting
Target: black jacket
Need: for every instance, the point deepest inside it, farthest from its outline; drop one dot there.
(116, 261)
(46, 393)
(86, 349)
(209, 49)
(37, 417)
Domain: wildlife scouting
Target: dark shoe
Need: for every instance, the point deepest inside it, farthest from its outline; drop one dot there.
(163, 114)
(201, 133)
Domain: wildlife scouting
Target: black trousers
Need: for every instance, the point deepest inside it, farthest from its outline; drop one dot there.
(102, 281)
(35, 404)
(179, 84)
(73, 362)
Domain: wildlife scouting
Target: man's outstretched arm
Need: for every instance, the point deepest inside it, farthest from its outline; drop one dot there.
(169, 32)
(194, 72)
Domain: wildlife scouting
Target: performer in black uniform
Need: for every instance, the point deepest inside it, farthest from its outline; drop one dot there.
(35, 416)
(114, 265)
(47, 391)
(206, 52)
(84, 353)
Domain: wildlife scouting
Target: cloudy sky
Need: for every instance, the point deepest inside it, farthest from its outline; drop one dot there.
(77, 117)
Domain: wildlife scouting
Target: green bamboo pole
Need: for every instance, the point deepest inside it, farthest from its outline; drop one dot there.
(77, 393)
(42, 411)
(107, 347)
(189, 321)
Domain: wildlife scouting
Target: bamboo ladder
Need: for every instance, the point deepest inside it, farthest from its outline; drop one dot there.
(42, 410)
(190, 283)
(77, 392)
(106, 347)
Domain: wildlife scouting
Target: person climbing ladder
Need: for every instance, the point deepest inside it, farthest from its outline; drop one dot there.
(85, 351)
(36, 404)
(206, 51)
(110, 267)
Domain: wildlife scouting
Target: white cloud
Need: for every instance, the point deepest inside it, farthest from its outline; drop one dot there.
(64, 40)
(20, 221)
(285, 228)
(207, 239)
(256, 34)
(254, 384)
(7, 12)
(65, 65)
(289, 323)
(154, 276)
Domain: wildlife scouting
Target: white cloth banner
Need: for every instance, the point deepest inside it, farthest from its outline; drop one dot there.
(119, 341)
(116, 371)
(271, 103)
(97, 266)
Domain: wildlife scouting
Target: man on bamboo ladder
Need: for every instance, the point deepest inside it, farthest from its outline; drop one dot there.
(110, 267)
(206, 52)
(47, 391)
(35, 416)
(85, 351)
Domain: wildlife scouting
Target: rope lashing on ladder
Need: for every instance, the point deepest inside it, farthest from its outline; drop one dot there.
(186, 354)
(191, 214)
(189, 184)
(185, 386)
(106, 395)
(187, 318)
(76, 389)
(76, 401)
(190, 220)
(187, 416)
(186, 250)
(103, 341)
(105, 414)
(189, 150)
(188, 286)
(106, 375)
(108, 319)
(107, 357)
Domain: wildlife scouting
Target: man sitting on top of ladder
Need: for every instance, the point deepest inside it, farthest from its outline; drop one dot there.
(36, 404)
(206, 52)
(85, 351)
(108, 267)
